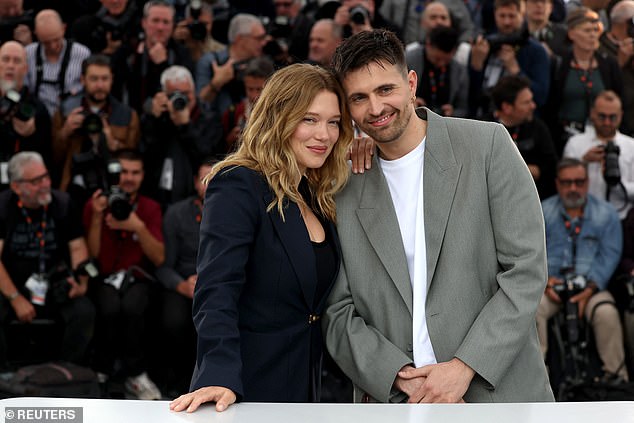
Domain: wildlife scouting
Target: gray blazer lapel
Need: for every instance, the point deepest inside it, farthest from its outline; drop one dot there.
(378, 219)
(440, 179)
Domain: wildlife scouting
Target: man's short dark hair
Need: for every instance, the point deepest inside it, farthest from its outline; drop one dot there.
(129, 154)
(444, 38)
(507, 89)
(505, 3)
(259, 67)
(377, 46)
(95, 60)
(567, 162)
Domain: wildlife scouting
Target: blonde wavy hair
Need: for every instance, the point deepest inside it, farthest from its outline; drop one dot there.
(265, 144)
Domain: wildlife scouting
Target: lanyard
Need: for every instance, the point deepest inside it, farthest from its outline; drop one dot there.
(433, 86)
(40, 233)
(573, 229)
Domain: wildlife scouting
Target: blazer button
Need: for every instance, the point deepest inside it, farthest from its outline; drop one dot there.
(410, 348)
(312, 318)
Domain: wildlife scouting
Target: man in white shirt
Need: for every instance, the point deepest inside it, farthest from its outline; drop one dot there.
(606, 115)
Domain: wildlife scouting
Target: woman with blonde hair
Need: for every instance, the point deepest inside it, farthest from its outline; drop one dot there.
(269, 252)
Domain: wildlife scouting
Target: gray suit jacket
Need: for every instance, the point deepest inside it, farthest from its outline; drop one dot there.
(486, 269)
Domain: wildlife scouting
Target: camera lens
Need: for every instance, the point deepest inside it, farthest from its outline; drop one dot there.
(179, 100)
(92, 124)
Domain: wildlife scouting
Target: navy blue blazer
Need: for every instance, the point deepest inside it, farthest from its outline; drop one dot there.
(254, 296)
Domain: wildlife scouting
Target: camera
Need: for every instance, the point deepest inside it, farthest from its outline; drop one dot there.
(179, 100)
(515, 39)
(611, 170)
(118, 200)
(12, 105)
(573, 284)
(197, 29)
(58, 279)
(92, 123)
(359, 15)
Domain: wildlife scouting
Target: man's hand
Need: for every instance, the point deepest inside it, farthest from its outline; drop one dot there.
(508, 59)
(132, 224)
(479, 52)
(159, 104)
(535, 172)
(223, 397)
(181, 31)
(24, 129)
(112, 143)
(595, 154)
(409, 386)
(77, 289)
(99, 202)
(222, 73)
(582, 299)
(73, 121)
(157, 53)
(186, 287)
(111, 45)
(361, 152)
(24, 310)
(445, 382)
(447, 109)
(550, 291)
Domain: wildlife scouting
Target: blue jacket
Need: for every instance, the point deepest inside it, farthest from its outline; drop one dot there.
(599, 244)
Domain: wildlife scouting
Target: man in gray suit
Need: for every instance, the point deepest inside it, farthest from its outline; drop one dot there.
(443, 249)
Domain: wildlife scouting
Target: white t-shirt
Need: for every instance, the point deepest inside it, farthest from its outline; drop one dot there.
(405, 180)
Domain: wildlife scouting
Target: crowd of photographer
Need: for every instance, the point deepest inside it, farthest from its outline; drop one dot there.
(113, 109)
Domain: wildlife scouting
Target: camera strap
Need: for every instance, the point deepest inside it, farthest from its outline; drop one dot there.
(40, 233)
(61, 76)
(574, 229)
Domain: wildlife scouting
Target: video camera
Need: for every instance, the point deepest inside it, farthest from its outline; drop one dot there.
(197, 29)
(611, 170)
(573, 285)
(515, 39)
(13, 105)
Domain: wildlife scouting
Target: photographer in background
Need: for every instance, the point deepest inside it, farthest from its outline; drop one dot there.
(195, 30)
(128, 247)
(15, 22)
(609, 153)
(289, 31)
(177, 134)
(443, 83)
(363, 15)
(218, 75)
(583, 237)
(40, 230)
(24, 121)
(115, 23)
(618, 42)
(514, 108)
(510, 51)
(89, 127)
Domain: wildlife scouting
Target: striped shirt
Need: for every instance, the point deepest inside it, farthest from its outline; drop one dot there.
(49, 93)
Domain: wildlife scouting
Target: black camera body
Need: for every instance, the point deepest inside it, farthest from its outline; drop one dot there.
(58, 286)
(179, 100)
(515, 39)
(197, 29)
(359, 14)
(92, 123)
(573, 285)
(611, 170)
(12, 105)
(118, 200)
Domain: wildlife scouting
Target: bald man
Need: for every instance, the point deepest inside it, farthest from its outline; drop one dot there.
(54, 62)
(325, 37)
(26, 125)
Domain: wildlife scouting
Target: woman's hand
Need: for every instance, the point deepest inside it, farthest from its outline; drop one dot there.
(223, 397)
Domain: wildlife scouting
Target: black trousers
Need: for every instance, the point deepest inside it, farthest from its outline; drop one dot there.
(120, 327)
(179, 339)
(77, 317)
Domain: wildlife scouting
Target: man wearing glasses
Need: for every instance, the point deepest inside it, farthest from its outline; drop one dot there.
(606, 115)
(41, 243)
(583, 245)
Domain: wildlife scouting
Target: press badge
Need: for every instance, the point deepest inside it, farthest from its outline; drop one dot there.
(37, 286)
(4, 173)
(115, 279)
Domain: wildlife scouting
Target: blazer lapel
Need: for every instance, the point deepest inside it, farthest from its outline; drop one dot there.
(440, 179)
(294, 237)
(378, 219)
